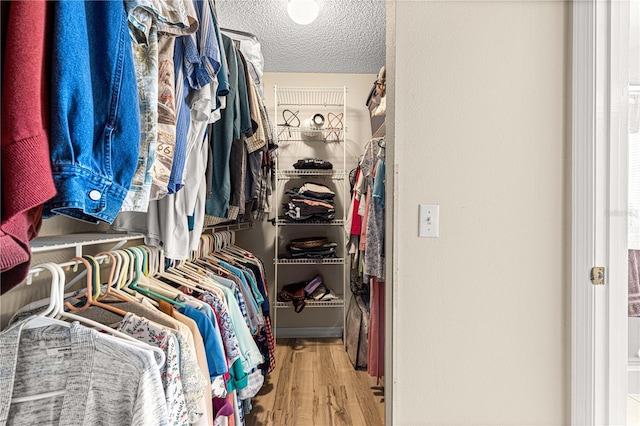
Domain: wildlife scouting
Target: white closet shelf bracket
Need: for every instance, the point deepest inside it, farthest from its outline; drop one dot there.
(77, 242)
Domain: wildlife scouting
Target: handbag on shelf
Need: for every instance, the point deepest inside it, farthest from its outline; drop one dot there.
(294, 293)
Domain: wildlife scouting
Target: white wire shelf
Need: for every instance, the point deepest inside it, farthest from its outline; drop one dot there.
(311, 222)
(59, 242)
(336, 303)
(328, 261)
(293, 173)
(309, 134)
(241, 226)
(321, 96)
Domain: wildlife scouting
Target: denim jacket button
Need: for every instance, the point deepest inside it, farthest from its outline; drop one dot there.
(95, 195)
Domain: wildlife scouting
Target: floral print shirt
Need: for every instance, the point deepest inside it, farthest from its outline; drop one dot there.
(182, 366)
(156, 335)
(229, 338)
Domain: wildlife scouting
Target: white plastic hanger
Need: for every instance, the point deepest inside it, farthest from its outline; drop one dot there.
(123, 338)
(43, 320)
(46, 317)
(55, 308)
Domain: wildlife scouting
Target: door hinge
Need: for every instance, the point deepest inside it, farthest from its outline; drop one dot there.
(597, 275)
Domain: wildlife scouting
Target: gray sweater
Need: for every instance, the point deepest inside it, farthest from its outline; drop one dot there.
(106, 382)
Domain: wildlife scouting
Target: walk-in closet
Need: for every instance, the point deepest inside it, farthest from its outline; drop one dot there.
(193, 212)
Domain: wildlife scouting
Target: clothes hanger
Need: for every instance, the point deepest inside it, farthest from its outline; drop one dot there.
(180, 275)
(207, 261)
(43, 320)
(219, 246)
(160, 287)
(173, 291)
(93, 279)
(153, 259)
(55, 308)
(172, 274)
(189, 271)
(126, 274)
(117, 264)
(46, 317)
(233, 247)
(211, 262)
(113, 334)
(138, 259)
(243, 33)
(146, 259)
(203, 282)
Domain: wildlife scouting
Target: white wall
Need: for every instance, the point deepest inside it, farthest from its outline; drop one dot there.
(261, 238)
(482, 98)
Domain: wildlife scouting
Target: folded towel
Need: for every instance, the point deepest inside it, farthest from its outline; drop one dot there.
(634, 283)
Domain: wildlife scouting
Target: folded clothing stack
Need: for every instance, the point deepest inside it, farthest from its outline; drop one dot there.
(312, 163)
(298, 293)
(311, 248)
(312, 201)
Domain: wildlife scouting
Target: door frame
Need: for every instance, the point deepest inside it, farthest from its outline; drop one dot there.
(599, 211)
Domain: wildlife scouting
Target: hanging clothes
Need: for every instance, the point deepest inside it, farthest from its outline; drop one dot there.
(221, 138)
(154, 26)
(216, 340)
(94, 153)
(104, 381)
(27, 180)
(365, 228)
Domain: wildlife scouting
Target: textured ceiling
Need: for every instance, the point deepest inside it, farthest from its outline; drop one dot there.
(347, 37)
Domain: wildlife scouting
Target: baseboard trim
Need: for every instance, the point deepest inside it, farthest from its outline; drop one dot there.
(303, 332)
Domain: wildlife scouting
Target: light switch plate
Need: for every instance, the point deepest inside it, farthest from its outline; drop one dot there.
(429, 220)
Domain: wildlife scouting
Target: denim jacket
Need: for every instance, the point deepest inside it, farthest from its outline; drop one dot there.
(95, 131)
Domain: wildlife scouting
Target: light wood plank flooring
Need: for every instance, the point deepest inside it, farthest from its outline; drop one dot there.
(314, 383)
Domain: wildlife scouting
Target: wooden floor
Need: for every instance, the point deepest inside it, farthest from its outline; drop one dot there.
(315, 384)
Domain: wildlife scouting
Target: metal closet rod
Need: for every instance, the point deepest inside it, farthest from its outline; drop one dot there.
(35, 271)
(244, 33)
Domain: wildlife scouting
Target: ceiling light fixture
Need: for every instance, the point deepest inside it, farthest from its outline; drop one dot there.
(303, 12)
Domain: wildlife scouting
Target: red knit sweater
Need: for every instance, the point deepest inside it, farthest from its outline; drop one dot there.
(26, 164)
